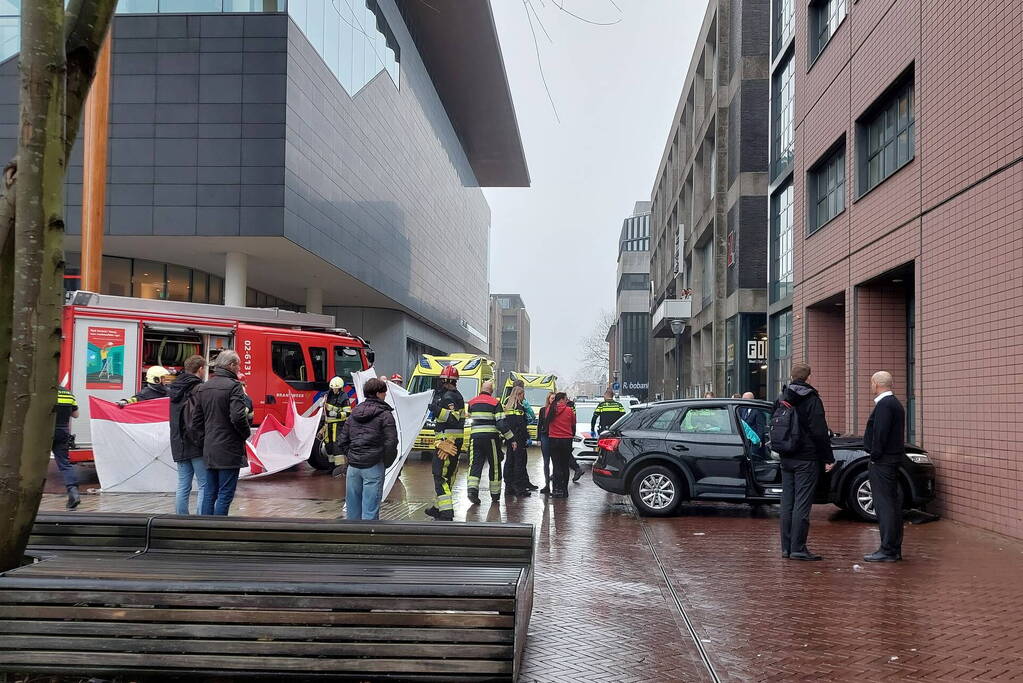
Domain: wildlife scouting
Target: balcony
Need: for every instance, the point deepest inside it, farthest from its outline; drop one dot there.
(668, 310)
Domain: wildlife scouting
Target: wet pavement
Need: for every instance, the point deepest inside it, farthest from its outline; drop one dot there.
(705, 595)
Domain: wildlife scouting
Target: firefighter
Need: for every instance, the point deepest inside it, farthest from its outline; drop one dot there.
(155, 387)
(448, 409)
(488, 426)
(336, 409)
(66, 408)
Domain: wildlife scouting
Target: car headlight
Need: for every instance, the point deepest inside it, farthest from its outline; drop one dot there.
(919, 458)
(577, 438)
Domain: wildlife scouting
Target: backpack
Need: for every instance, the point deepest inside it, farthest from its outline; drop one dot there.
(785, 432)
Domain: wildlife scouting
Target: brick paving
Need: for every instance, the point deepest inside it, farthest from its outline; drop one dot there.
(603, 611)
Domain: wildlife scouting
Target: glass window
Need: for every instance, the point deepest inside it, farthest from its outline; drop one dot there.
(200, 287)
(784, 22)
(707, 257)
(826, 185)
(666, 420)
(782, 100)
(889, 138)
(253, 5)
(191, 6)
(318, 356)
(179, 283)
(825, 16)
(781, 350)
(782, 221)
(116, 276)
(137, 7)
(148, 279)
(216, 289)
(288, 361)
(346, 361)
(707, 421)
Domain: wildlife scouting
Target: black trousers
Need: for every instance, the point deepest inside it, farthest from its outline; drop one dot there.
(561, 458)
(884, 486)
(515, 478)
(798, 484)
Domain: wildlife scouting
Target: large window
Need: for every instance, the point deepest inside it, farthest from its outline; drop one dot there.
(633, 281)
(782, 105)
(288, 361)
(825, 16)
(825, 184)
(782, 220)
(346, 361)
(707, 421)
(886, 137)
(784, 23)
(781, 351)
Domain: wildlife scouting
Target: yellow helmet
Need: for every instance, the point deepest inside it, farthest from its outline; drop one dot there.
(155, 374)
(337, 383)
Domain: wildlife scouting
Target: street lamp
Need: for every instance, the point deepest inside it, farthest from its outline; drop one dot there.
(677, 326)
(627, 362)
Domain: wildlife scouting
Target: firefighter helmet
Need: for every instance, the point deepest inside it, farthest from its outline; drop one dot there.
(155, 374)
(396, 378)
(449, 374)
(337, 383)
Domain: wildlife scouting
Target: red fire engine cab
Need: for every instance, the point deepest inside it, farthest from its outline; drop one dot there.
(109, 342)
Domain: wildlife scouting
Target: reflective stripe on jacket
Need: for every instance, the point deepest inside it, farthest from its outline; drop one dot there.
(488, 416)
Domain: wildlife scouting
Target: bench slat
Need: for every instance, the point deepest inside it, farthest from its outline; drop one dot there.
(334, 537)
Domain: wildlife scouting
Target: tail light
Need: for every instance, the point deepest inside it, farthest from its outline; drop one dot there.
(608, 444)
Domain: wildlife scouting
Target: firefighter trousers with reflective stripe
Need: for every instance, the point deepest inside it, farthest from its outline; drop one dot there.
(444, 471)
(486, 449)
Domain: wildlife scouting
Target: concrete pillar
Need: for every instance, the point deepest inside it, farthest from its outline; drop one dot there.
(236, 271)
(313, 300)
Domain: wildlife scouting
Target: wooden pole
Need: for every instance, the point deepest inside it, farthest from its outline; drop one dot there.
(94, 172)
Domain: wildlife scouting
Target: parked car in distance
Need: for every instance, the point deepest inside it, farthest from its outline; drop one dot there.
(664, 453)
(584, 444)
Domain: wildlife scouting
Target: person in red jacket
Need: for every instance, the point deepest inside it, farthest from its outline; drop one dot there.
(561, 423)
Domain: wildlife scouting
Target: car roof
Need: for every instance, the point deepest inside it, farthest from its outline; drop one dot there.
(712, 402)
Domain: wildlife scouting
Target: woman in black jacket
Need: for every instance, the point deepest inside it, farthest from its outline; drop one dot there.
(369, 440)
(186, 453)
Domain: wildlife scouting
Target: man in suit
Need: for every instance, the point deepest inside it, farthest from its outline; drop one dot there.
(885, 440)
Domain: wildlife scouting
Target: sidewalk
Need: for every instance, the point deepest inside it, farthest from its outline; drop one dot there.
(604, 611)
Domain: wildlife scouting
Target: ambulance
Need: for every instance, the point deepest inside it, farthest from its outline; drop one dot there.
(473, 370)
(537, 387)
(109, 342)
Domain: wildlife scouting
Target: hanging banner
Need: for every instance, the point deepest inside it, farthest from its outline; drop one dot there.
(105, 358)
(131, 446)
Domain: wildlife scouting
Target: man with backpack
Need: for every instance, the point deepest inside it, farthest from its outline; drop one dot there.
(799, 434)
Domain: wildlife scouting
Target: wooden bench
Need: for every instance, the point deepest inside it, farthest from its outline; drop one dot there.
(55, 533)
(290, 598)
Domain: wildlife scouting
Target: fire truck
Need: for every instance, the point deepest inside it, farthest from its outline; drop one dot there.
(108, 343)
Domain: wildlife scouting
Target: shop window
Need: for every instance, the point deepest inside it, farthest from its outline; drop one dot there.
(179, 283)
(148, 279)
(288, 361)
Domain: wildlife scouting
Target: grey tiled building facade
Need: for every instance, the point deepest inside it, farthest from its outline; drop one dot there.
(237, 132)
(709, 216)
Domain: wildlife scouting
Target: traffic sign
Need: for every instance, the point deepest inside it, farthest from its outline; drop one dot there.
(617, 386)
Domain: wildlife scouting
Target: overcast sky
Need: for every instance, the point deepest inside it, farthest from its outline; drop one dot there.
(615, 89)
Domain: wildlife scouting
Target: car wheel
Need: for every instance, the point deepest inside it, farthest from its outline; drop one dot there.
(859, 499)
(656, 491)
(318, 459)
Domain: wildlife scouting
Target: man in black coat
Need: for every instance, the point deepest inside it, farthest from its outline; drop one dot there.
(884, 439)
(369, 441)
(800, 468)
(186, 453)
(220, 422)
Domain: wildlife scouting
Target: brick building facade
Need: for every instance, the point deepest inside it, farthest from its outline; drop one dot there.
(907, 228)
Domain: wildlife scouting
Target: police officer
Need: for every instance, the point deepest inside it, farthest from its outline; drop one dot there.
(66, 408)
(336, 409)
(488, 426)
(516, 480)
(154, 388)
(448, 409)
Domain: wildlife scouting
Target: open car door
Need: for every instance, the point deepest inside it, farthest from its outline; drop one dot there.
(763, 464)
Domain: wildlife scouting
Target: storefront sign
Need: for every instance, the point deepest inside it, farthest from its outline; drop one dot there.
(756, 350)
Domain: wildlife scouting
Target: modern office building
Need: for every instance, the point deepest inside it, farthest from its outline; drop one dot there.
(318, 155)
(629, 336)
(906, 206)
(708, 224)
(509, 335)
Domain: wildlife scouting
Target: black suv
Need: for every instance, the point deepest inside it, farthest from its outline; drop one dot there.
(716, 449)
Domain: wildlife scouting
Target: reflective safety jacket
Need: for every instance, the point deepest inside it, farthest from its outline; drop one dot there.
(448, 409)
(66, 404)
(336, 407)
(488, 417)
(607, 413)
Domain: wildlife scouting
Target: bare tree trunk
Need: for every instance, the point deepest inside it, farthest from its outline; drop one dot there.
(58, 59)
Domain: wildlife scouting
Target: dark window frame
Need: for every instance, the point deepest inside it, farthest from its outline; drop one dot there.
(879, 142)
(824, 19)
(283, 373)
(829, 170)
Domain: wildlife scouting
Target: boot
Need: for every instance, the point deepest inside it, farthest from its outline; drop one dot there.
(578, 475)
(474, 496)
(432, 511)
(74, 499)
(446, 516)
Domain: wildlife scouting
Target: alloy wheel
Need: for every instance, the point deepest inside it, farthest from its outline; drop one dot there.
(865, 497)
(657, 491)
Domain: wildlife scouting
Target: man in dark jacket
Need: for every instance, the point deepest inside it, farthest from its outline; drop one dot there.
(885, 440)
(220, 422)
(369, 440)
(186, 453)
(800, 468)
